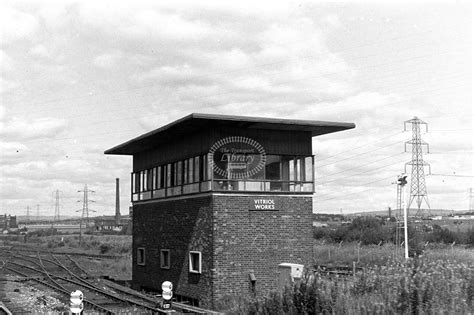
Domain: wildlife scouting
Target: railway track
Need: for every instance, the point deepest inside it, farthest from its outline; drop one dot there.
(62, 275)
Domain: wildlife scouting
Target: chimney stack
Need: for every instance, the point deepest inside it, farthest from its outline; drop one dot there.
(117, 201)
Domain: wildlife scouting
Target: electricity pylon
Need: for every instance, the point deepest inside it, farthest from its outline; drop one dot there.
(418, 184)
(85, 205)
(56, 207)
(85, 210)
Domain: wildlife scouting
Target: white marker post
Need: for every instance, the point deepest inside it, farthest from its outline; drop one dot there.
(402, 181)
(76, 305)
(167, 294)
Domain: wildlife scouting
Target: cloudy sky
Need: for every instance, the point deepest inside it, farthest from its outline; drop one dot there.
(79, 77)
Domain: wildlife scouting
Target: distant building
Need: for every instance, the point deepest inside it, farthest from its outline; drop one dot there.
(223, 204)
(112, 224)
(319, 224)
(7, 222)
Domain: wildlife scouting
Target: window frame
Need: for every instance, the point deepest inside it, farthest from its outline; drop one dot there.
(191, 265)
(162, 259)
(141, 262)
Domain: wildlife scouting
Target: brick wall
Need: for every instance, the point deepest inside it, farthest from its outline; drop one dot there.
(181, 225)
(259, 241)
(232, 239)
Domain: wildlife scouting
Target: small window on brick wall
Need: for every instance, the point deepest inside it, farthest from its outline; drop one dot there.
(195, 261)
(165, 260)
(141, 256)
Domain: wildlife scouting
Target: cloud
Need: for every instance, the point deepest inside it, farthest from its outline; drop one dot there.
(22, 129)
(55, 15)
(12, 150)
(16, 25)
(40, 51)
(150, 63)
(332, 20)
(7, 85)
(108, 60)
(141, 23)
(6, 63)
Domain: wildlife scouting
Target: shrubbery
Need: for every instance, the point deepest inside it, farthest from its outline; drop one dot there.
(370, 230)
(417, 286)
(367, 230)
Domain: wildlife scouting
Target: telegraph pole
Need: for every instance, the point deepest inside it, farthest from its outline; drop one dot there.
(28, 214)
(418, 184)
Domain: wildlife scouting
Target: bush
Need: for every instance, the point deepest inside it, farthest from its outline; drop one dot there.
(367, 230)
(446, 236)
(320, 233)
(416, 286)
(470, 237)
(104, 248)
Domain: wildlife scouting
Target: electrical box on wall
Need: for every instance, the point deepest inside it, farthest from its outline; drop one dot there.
(289, 273)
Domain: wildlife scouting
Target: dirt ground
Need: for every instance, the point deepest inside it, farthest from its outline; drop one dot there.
(30, 299)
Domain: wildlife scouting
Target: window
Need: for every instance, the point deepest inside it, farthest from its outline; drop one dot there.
(169, 176)
(154, 178)
(165, 259)
(185, 172)
(162, 177)
(141, 256)
(195, 262)
(196, 169)
(134, 185)
(191, 170)
(309, 169)
(149, 177)
(178, 173)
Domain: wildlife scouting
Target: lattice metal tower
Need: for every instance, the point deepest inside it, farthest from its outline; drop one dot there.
(85, 210)
(56, 206)
(399, 202)
(85, 205)
(417, 180)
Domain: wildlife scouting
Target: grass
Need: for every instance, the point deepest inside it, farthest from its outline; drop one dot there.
(441, 281)
(92, 244)
(347, 253)
(418, 286)
(118, 245)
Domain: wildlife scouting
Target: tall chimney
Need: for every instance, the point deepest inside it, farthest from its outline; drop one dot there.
(117, 201)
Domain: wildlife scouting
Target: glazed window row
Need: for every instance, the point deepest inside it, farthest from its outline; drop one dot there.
(276, 173)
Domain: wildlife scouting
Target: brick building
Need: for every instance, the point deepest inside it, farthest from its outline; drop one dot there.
(219, 202)
(7, 222)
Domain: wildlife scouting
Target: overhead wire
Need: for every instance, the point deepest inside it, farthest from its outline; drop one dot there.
(357, 192)
(363, 153)
(128, 118)
(360, 173)
(359, 166)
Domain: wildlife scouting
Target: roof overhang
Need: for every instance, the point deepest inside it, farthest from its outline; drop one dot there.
(195, 122)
